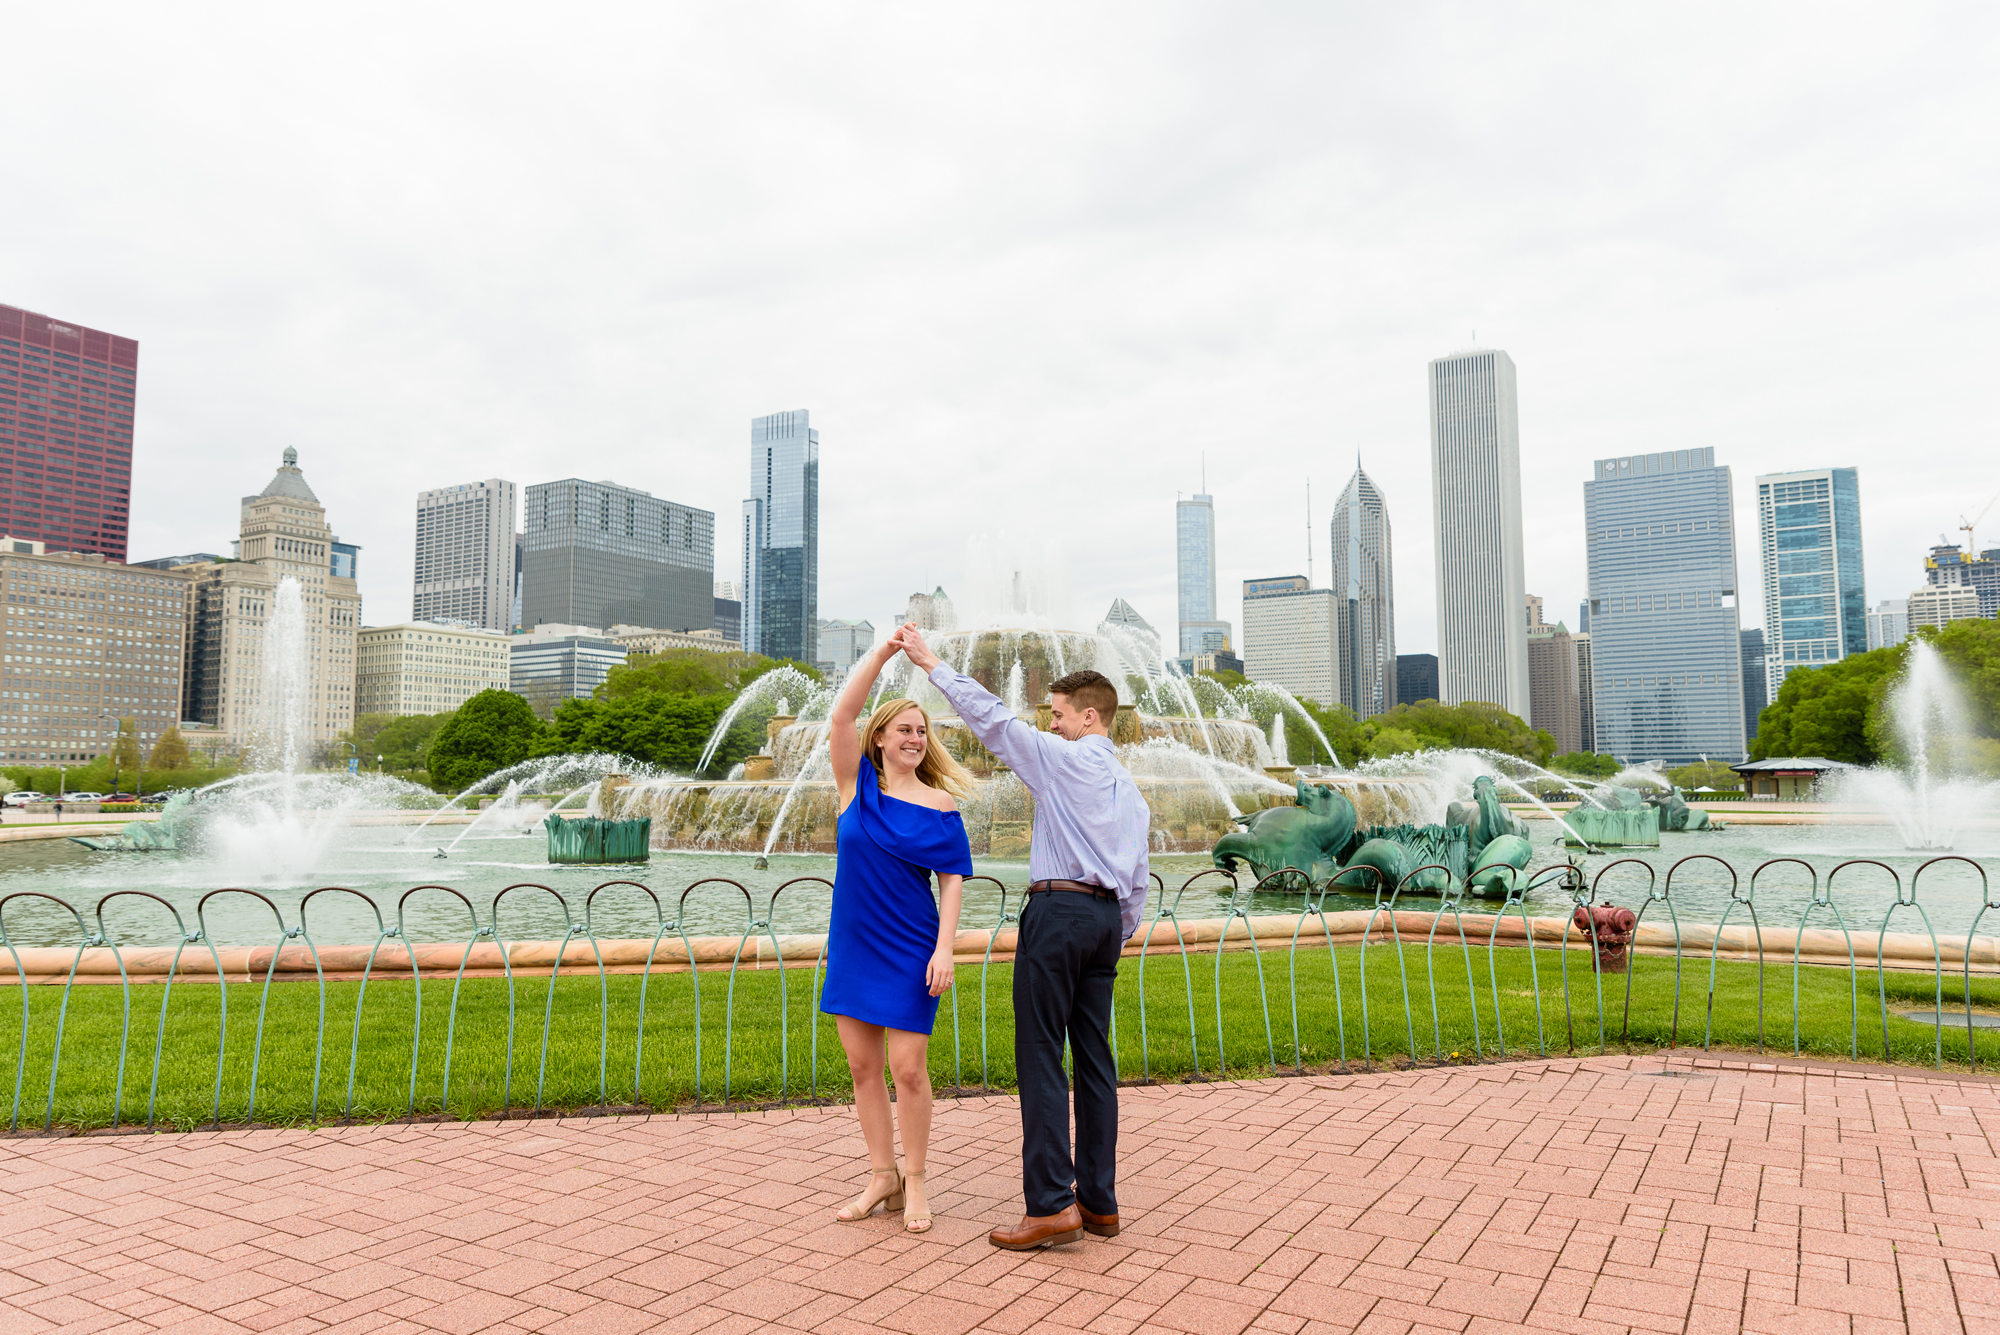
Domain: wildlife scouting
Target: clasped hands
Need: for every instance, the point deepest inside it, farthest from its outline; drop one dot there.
(910, 641)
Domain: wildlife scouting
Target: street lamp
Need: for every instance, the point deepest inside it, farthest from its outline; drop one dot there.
(116, 733)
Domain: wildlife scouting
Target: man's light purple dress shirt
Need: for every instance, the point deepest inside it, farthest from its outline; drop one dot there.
(1090, 822)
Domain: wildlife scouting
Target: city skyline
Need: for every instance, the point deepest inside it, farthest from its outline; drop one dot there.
(990, 350)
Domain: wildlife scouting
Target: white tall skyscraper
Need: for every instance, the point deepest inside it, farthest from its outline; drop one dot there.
(1194, 552)
(1364, 597)
(466, 559)
(1476, 515)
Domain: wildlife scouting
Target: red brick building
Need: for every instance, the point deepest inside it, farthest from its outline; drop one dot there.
(65, 433)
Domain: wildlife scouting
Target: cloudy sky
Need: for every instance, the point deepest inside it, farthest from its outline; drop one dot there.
(1025, 264)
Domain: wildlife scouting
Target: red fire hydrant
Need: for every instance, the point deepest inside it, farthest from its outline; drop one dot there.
(1612, 928)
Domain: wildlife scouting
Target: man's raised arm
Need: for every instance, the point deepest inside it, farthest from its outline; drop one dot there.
(995, 725)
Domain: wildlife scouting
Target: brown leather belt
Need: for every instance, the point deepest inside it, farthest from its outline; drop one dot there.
(1079, 887)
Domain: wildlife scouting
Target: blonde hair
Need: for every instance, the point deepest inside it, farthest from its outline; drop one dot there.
(938, 769)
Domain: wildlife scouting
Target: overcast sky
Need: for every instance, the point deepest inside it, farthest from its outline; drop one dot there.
(1023, 263)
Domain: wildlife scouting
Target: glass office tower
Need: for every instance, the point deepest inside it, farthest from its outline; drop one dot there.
(1476, 516)
(1364, 598)
(1666, 652)
(781, 538)
(1194, 555)
(1815, 608)
(598, 554)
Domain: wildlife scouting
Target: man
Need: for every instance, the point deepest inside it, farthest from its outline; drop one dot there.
(1088, 882)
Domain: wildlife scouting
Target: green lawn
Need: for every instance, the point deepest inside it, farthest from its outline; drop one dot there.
(766, 1051)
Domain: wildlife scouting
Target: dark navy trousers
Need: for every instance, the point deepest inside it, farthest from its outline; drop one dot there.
(1065, 961)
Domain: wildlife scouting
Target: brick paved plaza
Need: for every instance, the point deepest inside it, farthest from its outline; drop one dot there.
(1601, 1194)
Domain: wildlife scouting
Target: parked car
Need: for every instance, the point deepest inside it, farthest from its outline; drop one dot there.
(123, 797)
(84, 797)
(21, 798)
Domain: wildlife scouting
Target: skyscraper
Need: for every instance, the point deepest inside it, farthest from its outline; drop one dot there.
(1416, 678)
(230, 684)
(1949, 565)
(1364, 597)
(1476, 514)
(781, 538)
(1288, 633)
(1815, 609)
(1586, 703)
(1755, 696)
(465, 555)
(65, 433)
(1552, 664)
(598, 554)
(1665, 653)
(1889, 623)
(1194, 553)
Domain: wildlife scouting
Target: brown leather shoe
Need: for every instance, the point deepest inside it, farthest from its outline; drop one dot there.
(1040, 1231)
(1103, 1225)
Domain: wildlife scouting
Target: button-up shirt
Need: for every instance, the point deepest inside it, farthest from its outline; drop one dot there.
(1090, 822)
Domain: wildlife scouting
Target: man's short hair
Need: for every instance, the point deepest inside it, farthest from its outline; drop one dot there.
(1089, 690)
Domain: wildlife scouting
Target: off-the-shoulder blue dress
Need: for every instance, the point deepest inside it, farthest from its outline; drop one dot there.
(885, 919)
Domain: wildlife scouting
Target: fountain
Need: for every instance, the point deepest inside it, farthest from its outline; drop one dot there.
(1931, 792)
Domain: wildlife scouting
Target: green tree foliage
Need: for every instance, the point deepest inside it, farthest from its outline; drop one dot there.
(1823, 711)
(1841, 711)
(402, 740)
(698, 672)
(1426, 725)
(1472, 724)
(1586, 765)
(656, 727)
(1709, 774)
(125, 746)
(492, 730)
(170, 752)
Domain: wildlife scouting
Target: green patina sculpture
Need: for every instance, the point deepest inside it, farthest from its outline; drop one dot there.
(1318, 837)
(1630, 819)
(1310, 836)
(140, 836)
(590, 840)
(1676, 814)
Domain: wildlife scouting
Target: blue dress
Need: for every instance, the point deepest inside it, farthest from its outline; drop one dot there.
(885, 921)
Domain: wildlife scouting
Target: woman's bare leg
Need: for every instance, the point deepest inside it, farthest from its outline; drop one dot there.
(863, 1044)
(909, 1061)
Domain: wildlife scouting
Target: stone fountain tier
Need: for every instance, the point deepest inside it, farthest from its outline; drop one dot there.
(1189, 814)
(790, 747)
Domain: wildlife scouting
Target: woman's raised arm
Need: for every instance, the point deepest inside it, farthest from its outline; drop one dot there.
(843, 741)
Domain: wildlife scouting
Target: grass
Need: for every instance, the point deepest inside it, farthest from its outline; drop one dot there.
(763, 1049)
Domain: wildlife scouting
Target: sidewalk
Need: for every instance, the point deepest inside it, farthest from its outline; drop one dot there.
(1601, 1194)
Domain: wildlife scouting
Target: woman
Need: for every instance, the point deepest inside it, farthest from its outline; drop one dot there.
(889, 945)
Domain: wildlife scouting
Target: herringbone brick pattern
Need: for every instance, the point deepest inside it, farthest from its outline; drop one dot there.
(1595, 1195)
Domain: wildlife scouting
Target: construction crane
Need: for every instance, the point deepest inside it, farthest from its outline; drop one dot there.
(1965, 525)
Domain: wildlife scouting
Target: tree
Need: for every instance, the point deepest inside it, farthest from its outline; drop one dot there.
(1705, 774)
(654, 727)
(492, 730)
(1586, 765)
(1444, 727)
(692, 672)
(170, 752)
(402, 740)
(125, 746)
(1824, 711)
